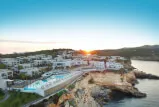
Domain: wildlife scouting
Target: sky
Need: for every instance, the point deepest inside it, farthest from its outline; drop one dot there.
(31, 25)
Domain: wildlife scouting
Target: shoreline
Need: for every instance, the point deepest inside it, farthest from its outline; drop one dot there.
(145, 59)
(100, 88)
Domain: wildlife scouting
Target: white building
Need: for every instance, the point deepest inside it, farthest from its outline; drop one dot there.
(109, 65)
(38, 62)
(30, 58)
(114, 58)
(59, 58)
(26, 65)
(40, 56)
(48, 57)
(114, 65)
(64, 63)
(98, 64)
(3, 84)
(29, 71)
(21, 59)
(36, 57)
(10, 61)
(5, 73)
(77, 62)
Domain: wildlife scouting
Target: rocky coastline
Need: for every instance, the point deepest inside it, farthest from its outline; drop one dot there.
(143, 75)
(146, 58)
(98, 88)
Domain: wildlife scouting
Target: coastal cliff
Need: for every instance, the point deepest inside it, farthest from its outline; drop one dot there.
(97, 88)
(143, 75)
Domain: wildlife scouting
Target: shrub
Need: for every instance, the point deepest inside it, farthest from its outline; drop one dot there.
(72, 86)
(2, 66)
(61, 93)
(91, 81)
(1, 92)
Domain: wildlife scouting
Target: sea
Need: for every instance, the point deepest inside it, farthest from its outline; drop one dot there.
(150, 87)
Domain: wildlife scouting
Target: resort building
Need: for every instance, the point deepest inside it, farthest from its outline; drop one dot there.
(30, 71)
(59, 58)
(5, 73)
(77, 62)
(109, 65)
(38, 62)
(10, 61)
(49, 57)
(114, 66)
(51, 84)
(26, 65)
(5, 83)
(22, 59)
(63, 64)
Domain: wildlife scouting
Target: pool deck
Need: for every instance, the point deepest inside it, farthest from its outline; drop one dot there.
(46, 97)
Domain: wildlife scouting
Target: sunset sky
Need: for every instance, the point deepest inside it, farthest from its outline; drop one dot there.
(29, 25)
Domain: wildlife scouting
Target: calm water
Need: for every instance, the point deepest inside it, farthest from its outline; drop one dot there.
(151, 87)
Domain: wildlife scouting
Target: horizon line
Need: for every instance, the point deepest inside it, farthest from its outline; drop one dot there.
(75, 49)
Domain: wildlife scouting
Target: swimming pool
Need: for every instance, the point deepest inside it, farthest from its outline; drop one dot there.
(48, 81)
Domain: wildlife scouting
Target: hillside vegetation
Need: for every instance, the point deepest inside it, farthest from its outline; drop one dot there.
(144, 51)
(52, 52)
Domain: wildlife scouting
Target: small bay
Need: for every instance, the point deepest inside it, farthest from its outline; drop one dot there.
(151, 87)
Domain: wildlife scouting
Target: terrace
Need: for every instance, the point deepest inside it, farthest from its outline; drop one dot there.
(43, 84)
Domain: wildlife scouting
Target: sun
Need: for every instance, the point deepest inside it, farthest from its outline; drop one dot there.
(87, 52)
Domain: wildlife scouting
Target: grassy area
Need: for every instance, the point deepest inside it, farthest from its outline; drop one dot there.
(72, 86)
(1, 95)
(17, 99)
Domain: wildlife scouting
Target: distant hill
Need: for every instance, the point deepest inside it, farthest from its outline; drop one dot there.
(150, 46)
(146, 52)
(143, 51)
(52, 52)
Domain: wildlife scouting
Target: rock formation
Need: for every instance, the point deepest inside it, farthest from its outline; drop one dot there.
(143, 75)
(98, 88)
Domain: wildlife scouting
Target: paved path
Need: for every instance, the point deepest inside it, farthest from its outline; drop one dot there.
(5, 97)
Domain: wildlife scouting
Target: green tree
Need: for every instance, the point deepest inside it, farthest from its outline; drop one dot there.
(2, 66)
(20, 67)
(23, 76)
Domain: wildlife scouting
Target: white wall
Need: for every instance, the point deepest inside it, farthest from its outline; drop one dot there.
(3, 84)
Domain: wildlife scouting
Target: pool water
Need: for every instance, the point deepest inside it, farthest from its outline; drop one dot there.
(41, 83)
(44, 80)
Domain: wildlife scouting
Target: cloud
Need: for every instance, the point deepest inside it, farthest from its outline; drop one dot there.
(33, 42)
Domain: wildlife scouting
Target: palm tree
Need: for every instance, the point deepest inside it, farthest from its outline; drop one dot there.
(23, 76)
